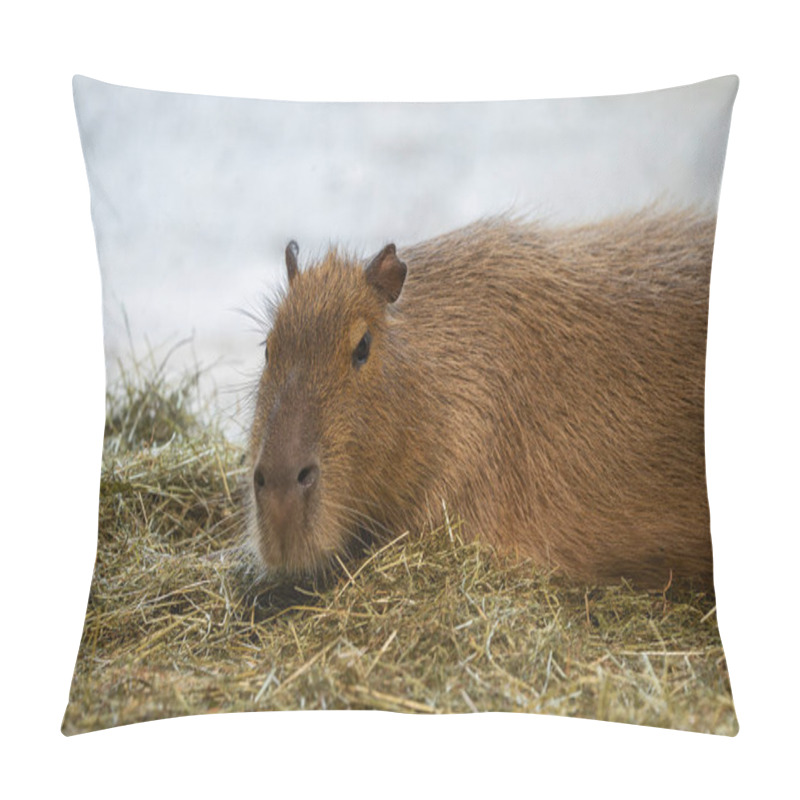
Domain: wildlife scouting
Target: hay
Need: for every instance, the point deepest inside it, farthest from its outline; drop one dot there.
(179, 622)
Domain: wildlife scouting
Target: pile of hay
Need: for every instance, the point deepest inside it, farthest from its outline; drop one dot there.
(179, 622)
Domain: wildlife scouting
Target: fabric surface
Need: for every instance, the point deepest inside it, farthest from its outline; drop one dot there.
(566, 570)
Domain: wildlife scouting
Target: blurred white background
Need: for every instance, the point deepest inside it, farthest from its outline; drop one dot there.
(195, 197)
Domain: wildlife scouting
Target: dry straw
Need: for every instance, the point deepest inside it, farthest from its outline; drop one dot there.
(180, 622)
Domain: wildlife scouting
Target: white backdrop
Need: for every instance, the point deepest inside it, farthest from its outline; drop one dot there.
(195, 197)
(50, 312)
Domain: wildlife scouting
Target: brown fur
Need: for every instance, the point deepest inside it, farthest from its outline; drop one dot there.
(546, 385)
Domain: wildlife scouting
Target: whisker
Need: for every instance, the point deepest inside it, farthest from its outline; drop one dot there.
(360, 515)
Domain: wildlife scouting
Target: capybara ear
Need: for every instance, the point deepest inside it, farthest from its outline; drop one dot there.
(291, 259)
(386, 273)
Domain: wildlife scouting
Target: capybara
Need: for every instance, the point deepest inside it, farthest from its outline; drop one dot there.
(543, 384)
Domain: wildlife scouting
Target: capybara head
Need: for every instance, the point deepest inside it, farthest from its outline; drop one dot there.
(324, 383)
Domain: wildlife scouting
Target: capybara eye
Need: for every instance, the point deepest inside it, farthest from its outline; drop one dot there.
(361, 353)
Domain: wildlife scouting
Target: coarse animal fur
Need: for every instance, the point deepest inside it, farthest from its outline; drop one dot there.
(544, 384)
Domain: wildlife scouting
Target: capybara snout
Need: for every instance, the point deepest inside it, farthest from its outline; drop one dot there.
(286, 479)
(545, 385)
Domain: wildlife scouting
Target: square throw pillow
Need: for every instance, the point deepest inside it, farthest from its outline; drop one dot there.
(404, 407)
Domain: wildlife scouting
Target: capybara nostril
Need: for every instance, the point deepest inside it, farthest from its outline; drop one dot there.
(308, 476)
(258, 478)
